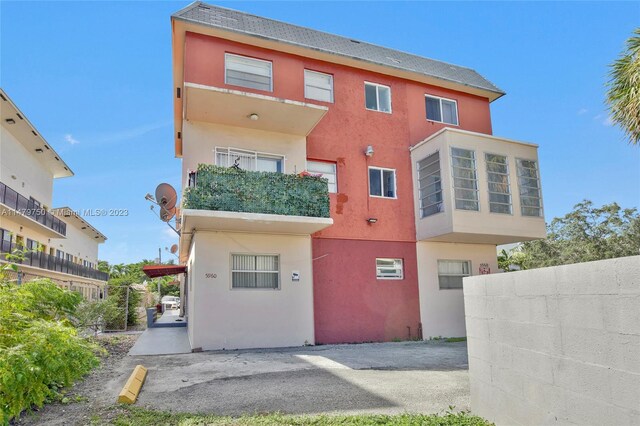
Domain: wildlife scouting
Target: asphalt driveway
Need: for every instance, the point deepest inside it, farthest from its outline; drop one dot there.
(384, 378)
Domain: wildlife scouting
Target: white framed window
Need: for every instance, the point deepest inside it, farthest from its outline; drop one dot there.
(451, 273)
(442, 110)
(529, 185)
(377, 97)
(430, 185)
(382, 182)
(327, 170)
(465, 179)
(249, 160)
(389, 269)
(253, 271)
(248, 72)
(498, 182)
(318, 86)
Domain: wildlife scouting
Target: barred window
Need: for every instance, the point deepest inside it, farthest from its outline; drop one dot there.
(465, 179)
(451, 273)
(498, 181)
(529, 183)
(389, 269)
(430, 185)
(255, 271)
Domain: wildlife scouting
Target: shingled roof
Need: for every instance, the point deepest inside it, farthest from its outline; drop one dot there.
(244, 23)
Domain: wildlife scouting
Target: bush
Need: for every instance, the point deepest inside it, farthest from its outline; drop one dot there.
(234, 190)
(96, 315)
(40, 350)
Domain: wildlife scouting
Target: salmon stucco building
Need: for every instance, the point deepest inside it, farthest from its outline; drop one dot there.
(334, 190)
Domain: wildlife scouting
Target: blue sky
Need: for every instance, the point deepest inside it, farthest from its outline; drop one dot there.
(95, 79)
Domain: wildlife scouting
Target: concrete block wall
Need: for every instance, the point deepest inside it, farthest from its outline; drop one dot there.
(556, 345)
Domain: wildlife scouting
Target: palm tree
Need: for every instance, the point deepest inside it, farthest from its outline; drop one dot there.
(623, 95)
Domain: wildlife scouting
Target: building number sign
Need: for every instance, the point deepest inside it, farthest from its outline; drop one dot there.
(484, 269)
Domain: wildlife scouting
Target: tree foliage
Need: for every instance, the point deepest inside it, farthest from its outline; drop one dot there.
(586, 234)
(623, 94)
(40, 350)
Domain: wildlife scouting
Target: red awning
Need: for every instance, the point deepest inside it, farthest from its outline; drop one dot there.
(155, 271)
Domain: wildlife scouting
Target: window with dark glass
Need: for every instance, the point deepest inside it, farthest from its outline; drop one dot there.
(382, 182)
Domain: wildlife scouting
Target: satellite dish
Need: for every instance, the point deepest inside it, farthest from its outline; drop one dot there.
(166, 196)
(174, 249)
(167, 215)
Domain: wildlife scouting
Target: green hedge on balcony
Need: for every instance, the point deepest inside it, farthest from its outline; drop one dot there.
(229, 189)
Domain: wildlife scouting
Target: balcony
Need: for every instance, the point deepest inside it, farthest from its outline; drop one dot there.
(229, 199)
(476, 188)
(45, 261)
(29, 213)
(235, 108)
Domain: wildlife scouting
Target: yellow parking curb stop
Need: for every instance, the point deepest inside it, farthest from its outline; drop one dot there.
(131, 389)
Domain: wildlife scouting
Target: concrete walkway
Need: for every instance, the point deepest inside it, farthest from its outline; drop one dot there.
(171, 317)
(162, 341)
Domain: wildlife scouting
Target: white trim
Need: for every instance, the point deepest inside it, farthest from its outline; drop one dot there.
(395, 183)
(440, 98)
(377, 97)
(226, 55)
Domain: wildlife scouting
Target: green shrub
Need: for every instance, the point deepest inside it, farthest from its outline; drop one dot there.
(230, 189)
(40, 350)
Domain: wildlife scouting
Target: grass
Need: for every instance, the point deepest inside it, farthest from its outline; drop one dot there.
(130, 416)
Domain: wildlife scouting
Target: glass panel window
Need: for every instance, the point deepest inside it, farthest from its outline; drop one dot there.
(389, 269)
(382, 182)
(441, 110)
(451, 273)
(326, 170)
(249, 160)
(255, 271)
(318, 86)
(248, 72)
(377, 97)
(465, 181)
(498, 181)
(430, 185)
(529, 185)
(32, 245)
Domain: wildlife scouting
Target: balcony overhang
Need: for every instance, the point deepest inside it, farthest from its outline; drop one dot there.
(258, 223)
(10, 214)
(235, 108)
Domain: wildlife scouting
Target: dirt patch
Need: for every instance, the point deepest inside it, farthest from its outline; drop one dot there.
(84, 403)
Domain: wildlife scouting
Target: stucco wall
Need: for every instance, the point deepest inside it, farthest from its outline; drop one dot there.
(351, 304)
(78, 244)
(200, 140)
(442, 311)
(225, 318)
(556, 345)
(32, 179)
